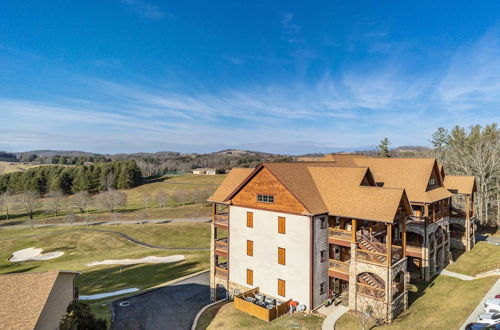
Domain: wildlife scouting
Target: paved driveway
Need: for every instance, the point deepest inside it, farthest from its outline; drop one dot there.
(172, 307)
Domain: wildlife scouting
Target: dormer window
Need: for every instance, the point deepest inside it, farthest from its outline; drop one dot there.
(432, 181)
(265, 198)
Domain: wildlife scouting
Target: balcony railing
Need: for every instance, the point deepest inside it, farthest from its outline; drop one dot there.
(340, 234)
(370, 291)
(339, 266)
(397, 254)
(372, 257)
(221, 271)
(222, 245)
(221, 219)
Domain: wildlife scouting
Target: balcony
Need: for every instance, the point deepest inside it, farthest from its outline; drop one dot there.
(397, 254)
(340, 236)
(221, 220)
(371, 257)
(414, 249)
(339, 269)
(221, 271)
(222, 246)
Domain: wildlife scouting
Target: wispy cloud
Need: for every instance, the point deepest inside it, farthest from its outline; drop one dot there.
(291, 29)
(144, 9)
(473, 76)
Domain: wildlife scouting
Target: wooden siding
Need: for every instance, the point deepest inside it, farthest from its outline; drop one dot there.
(265, 183)
(259, 312)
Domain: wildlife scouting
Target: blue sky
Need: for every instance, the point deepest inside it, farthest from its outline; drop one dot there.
(278, 76)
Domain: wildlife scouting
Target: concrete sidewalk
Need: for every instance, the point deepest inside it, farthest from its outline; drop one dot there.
(495, 289)
(331, 319)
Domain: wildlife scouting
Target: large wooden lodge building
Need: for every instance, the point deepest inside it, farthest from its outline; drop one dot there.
(343, 223)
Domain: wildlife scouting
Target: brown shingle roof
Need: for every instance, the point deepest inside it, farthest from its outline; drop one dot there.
(412, 174)
(462, 184)
(324, 187)
(230, 183)
(22, 298)
(343, 195)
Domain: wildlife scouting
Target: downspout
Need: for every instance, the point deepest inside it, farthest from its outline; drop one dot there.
(311, 263)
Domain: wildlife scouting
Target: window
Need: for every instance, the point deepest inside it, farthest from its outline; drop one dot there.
(249, 277)
(265, 198)
(432, 181)
(250, 248)
(322, 254)
(322, 223)
(281, 287)
(281, 256)
(322, 288)
(250, 219)
(281, 225)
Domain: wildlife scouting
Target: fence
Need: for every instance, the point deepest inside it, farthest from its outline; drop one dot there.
(258, 311)
(486, 269)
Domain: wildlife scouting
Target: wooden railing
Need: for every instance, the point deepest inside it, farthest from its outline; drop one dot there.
(486, 269)
(370, 291)
(340, 234)
(397, 253)
(222, 245)
(221, 271)
(339, 266)
(221, 219)
(372, 257)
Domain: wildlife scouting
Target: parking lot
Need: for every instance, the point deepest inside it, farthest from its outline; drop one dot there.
(171, 307)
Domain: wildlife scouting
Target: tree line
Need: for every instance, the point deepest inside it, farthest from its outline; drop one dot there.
(470, 151)
(93, 179)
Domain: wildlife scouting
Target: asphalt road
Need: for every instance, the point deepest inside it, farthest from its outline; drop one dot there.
(171, 307)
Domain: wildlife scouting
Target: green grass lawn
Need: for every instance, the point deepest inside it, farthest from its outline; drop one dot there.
(135, 207)
(443, 303)
(83, 246)
(227, 318)
(483, 254)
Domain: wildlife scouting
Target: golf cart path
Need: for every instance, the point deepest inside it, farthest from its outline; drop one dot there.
(495, 289)
(106, 222)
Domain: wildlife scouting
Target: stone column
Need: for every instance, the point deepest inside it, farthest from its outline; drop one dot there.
(353, 278)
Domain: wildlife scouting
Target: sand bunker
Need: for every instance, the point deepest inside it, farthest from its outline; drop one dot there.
(107, 294)
(33, 254)
(146, 260)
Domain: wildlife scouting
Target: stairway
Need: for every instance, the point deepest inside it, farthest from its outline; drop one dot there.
(370, 280)
(370, 243)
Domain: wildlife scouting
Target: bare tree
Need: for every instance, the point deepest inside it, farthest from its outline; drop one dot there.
(71, 218)
(6, 203)
(29, 201)
(82, 201)
(111, 199)
(55, 201)
(162, 198)
(109, 181)
(147, 200)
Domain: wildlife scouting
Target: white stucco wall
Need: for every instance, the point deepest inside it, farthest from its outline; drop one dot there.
(264, 262)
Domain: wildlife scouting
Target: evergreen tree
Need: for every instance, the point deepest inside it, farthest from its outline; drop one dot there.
(383, 148)
(79, 317)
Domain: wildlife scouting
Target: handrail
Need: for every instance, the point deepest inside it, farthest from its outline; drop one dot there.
(486, 268)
